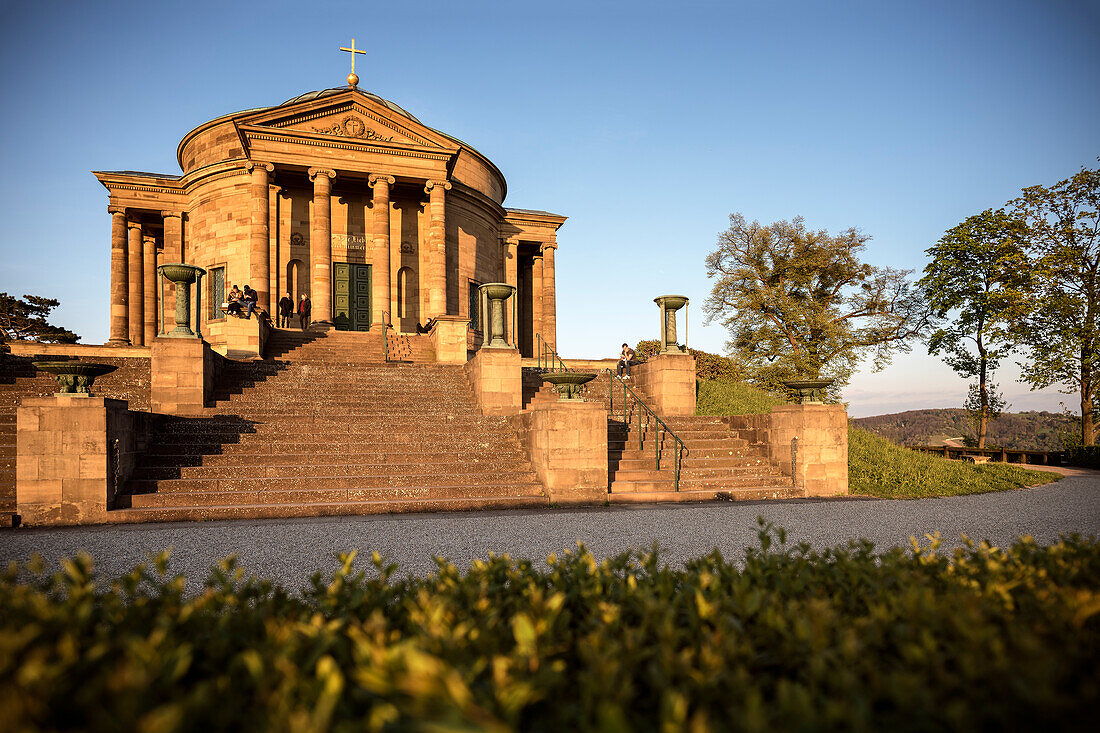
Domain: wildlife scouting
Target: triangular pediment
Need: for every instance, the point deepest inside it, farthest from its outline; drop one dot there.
(353, 117)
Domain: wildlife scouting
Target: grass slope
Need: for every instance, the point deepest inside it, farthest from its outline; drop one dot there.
(876, 466)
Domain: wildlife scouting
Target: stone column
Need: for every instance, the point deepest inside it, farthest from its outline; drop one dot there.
(511, 276)
(173, 252)
(273, 249)
(120, 287)
(383, 278)
(320, 245)
(149, 289)
(549, 297)
(136, 290)
(536, 298)
(259, 268)
(437, 247)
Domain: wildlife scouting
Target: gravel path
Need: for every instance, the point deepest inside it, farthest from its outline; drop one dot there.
(288, 550)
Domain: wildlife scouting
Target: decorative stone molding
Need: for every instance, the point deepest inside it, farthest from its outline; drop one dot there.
(176, 214)
(269, 167)
(429, 185)
(364, 146)
(373, 177)
(314, 172)
(547, 245)
(132, 224)
(116, 210)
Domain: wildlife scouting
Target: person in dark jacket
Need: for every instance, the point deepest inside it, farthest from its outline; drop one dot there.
(305, 309)
(250, 299)
(286, 307)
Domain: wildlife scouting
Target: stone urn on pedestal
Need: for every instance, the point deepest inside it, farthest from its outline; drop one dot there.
(496, 294)
(568, 383)
(809, 391)
(75, 377)
(183, 275)
(668, 305)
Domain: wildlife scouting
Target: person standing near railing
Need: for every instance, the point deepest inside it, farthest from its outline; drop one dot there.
(626, 356)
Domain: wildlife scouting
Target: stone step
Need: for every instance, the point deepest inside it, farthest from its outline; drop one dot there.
(689, 495)
(339, 466)
(719, 464)
(257, 483)
(472, 446)
(318, 509)
(181, 460)
(304, 496)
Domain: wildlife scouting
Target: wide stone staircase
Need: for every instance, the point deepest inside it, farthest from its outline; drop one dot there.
(324, 426)
(719, 460)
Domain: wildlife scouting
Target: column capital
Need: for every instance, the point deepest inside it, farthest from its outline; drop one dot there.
(166, 214)
(547, 245)
(116, 210)
(314, 172)
(132, 224)
(429, 185)
(269, 167)
(374, 178)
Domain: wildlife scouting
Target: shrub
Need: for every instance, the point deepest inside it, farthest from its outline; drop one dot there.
(729, 397)
(845, 638)
(707, 365)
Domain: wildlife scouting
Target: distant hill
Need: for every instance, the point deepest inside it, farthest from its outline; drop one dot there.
(1019, 430)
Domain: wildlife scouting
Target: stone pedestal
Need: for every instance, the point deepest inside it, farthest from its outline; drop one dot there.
(183, 372)
(668, 381)
(243, 338)
(567, 445)
(72, 453)
(448, 337)
(818, 461)
(497, 379)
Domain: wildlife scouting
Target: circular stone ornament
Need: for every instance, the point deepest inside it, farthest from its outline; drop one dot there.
(74, 376)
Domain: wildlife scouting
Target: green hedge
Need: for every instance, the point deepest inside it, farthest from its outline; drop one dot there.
(1086, 457)
(790, 638)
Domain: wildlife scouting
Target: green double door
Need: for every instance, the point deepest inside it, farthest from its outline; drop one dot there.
(351, 296)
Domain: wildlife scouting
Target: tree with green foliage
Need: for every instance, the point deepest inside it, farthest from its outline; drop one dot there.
(26, 319)
(977, 286)
(799, 303)
(1061, 335)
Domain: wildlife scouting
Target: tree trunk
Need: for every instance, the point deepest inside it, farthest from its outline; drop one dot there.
(1087, 433)
(983, 395)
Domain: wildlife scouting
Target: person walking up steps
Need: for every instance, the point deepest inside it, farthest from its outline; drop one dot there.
(286, 307)
(305, 309)
(626, 356)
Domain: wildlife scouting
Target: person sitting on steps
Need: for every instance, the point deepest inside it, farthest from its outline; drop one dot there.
(626, 357)
(249, 300)
(233, 302)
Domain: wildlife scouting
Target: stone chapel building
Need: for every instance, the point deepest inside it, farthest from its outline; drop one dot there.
(339, 195)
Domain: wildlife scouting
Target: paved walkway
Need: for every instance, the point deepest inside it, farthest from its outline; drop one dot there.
(288, 550)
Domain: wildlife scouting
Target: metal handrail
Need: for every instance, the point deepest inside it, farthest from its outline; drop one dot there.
(385, 338)
(658, 423)
(549, 357)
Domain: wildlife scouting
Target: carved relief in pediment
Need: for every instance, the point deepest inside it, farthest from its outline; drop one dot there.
(350, 126)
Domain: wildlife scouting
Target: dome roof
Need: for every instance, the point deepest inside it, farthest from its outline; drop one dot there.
(320, 94)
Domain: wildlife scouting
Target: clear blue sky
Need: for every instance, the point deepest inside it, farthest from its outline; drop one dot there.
(646, 123)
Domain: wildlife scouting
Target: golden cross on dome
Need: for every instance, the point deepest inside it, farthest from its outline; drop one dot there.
(353, 80)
